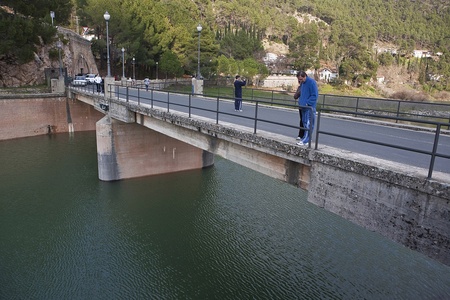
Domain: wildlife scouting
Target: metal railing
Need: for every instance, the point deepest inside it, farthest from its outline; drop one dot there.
(433, 153)
(374, 106)
(123, 92)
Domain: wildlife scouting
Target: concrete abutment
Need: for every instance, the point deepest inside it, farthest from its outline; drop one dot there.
(128, 150)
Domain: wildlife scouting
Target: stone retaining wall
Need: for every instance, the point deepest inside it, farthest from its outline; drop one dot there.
(30, 115)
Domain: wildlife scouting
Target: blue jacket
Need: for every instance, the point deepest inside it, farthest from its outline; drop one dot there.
(238, 88)
(309, 93)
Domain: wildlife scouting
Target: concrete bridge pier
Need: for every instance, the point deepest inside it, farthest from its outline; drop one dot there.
(128, 150)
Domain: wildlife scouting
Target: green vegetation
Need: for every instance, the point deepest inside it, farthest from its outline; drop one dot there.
(27, 21)
(341, 34)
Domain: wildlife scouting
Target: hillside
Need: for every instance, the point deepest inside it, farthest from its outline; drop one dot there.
(348, 35)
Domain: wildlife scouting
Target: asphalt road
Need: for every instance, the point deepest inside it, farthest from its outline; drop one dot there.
(268, 117)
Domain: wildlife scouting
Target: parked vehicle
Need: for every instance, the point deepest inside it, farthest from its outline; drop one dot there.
(79, 81)
(90, 78)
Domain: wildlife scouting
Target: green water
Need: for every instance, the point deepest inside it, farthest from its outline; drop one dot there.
(225, 232)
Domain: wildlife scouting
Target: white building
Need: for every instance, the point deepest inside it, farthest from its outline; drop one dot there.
(421, 53)
(327, 75)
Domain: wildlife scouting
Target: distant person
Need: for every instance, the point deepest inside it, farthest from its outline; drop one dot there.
(301, 131)
(308, 97)
(102, 84)
(98, 82)
(238, 84)
(193, 84)
(146, 82)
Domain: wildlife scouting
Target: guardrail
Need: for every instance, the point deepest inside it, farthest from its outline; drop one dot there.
(139, 98)
(433, 153)
(123, 92)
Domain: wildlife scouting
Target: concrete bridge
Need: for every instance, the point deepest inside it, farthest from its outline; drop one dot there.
(148, 136)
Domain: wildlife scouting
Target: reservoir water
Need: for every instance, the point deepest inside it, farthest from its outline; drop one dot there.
(225, 232)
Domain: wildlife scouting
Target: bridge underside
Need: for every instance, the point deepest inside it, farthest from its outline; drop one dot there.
(127, 150)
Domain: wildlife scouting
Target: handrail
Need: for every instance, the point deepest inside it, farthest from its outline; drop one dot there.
(399, 107)
(216, 111)
(116, 89)
(433, 153)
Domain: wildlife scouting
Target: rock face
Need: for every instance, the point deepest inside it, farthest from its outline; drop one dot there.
(76, 56)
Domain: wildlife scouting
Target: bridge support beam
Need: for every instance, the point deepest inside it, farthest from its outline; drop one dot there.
(130, 150)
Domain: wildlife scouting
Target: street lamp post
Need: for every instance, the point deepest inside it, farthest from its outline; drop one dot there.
(134, 73)
(199, 29)
(123, 62)
(58, 44)
(107, 17)
(156, 70)
(52, 15)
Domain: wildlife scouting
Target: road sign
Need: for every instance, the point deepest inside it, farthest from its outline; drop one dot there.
(85, 30)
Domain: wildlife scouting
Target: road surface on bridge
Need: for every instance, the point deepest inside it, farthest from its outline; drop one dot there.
(372, 131)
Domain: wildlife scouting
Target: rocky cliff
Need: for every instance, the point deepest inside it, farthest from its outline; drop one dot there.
(76, 56)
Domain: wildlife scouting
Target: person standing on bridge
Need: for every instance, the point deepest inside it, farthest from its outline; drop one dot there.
(238, 84)
(308, 97)
(98, 82)
(301, 131)
(146, 82)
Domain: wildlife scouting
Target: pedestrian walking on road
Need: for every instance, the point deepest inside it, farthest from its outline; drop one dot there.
(308, 97)
(238, 84)
(301, 131)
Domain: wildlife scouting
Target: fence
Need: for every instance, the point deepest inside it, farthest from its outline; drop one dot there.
(136, 94)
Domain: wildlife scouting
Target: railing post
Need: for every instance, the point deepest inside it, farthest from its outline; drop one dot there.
(139, 97)
(317, 130)
(217, 111)
(127, 94)
(256, 116)
(168, 101)
(190, 99)
(398, 111)
(271, 102)
(433, 153)
(151, 96)
(310, 129)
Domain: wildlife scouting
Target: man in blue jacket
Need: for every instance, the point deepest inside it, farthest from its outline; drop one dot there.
(238, 84)
(308, 97)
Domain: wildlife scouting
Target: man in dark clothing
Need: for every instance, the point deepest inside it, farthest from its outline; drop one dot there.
(238, 84)
(301, 131)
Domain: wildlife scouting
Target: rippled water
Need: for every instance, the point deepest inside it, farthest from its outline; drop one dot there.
(221, 233)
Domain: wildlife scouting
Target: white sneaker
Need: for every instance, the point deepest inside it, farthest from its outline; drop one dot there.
(240, 110)
(298, 138)
(300, 143)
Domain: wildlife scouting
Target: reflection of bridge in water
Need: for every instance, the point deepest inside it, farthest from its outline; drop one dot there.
(386, 194)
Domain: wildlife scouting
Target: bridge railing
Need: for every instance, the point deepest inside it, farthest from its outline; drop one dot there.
(433, 153)
(134, 94)
(433, 111)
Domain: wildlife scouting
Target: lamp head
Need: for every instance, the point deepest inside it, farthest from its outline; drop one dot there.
(106, 16)
(52, 14)
(123, 50)
(199, 27)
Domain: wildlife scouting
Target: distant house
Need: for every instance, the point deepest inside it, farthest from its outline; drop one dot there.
(380, 79)
(421, 53)
(327, 75)
(270, 57)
